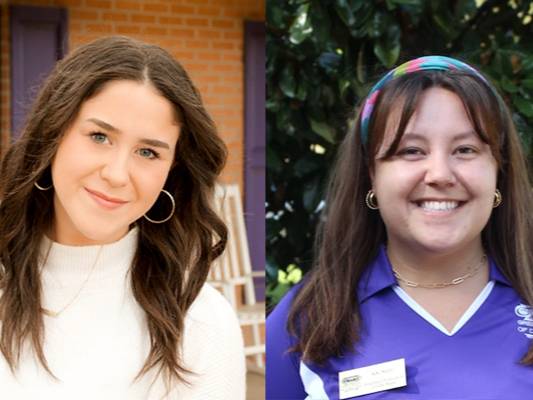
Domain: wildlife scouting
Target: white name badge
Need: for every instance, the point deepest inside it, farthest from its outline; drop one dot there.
(371, 379)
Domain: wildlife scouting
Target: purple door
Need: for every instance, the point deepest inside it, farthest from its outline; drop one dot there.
(254, 145)
(38, 40)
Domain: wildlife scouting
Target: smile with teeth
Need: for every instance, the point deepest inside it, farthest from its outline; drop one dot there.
(438, 205)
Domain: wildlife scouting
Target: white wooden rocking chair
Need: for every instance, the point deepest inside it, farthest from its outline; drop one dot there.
(232, 274)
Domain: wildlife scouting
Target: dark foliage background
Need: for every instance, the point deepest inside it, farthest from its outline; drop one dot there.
(322, 58)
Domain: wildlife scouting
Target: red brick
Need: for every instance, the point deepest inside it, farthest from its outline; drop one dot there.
(171, 20)
(234, 12)
(127, 29)
(155, 7)
(98, 3)
(210, 79)
(114, 16)
(237, 35)
(143, 18)
(229, 67)
(196, 21)
(180, 9)
(127, 5)
(99, 28)
(195, 44)
(237, 57)
(223, 45)
(195, 67)
(154, 30)
(236, 79)
(83, 14)
(223, 23)
(208, 55)
(208, 10)
(208, 34)
(182, 32)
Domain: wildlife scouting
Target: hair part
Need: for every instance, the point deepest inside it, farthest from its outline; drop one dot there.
(172, 260)
(325, 314)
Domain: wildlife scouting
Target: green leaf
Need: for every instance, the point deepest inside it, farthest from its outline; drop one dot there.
(445, 24)
(524, 106)
(390, 5)
(322, 129)
(527, 64)
(508, 85)
(344, 11)
(387, 52)
(301, 27)
(301, 92)
(276, 293)
(275, 17)
(273, 161)
(287, 82)
(378, 26)
(304, 166)
(320, 20)
(527, 83)
(311, 195)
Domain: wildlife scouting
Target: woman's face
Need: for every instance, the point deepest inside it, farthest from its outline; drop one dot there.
(112, 163)
(436, 193)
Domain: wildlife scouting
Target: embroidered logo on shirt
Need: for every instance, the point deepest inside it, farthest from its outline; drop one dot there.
(525, 325)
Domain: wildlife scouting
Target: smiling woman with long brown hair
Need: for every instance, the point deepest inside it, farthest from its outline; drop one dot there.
(422, 286)
(107, 234)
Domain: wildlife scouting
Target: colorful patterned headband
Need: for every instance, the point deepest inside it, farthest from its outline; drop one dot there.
(418, 64)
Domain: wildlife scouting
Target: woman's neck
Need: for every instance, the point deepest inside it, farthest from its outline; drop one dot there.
(427, 266)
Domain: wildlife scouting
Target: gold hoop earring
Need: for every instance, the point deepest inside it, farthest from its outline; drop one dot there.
(44, 189)
(371, 201)
(497, 199)
(171, 212)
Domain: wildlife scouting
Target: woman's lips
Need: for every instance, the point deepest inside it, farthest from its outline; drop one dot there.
(101, 199)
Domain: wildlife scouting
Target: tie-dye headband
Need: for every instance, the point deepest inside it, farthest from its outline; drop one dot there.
(418, 64)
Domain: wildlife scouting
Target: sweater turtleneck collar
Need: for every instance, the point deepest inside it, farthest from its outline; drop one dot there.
(70, 262)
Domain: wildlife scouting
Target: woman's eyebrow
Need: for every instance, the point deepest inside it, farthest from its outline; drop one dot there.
(421, 136)
(109, 127)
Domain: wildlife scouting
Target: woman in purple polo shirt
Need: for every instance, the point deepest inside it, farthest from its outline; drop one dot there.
(424, 271)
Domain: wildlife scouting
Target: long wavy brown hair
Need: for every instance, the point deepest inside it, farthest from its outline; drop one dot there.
(325, 314)
(172, 259)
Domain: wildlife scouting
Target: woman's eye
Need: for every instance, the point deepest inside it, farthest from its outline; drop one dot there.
(148, 153)
(98, 137)
(410, 151)
(466, 150)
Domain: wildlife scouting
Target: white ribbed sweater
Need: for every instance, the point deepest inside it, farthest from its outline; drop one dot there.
(100, 342)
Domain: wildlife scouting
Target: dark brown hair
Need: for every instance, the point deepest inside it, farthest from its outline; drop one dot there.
(325, 314)
(172, 259)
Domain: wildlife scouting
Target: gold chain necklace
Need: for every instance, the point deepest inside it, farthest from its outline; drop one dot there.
(56, 314)
(457, 281)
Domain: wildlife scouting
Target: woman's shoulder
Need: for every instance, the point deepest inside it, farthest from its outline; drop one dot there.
(277, 333)
(211, 308)
(213, 349)
(213, 335)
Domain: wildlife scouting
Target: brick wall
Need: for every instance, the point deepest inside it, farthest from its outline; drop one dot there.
(206, 36)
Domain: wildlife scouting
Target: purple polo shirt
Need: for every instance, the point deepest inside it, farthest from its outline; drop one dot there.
(479, 360)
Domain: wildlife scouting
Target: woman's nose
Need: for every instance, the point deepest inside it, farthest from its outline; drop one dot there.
(115, 170)
(440, 171)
